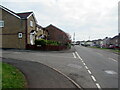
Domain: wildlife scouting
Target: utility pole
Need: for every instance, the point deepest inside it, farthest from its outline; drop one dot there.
(74, 37)
(89, 37)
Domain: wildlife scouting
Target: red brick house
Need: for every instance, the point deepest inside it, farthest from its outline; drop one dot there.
(57, 34)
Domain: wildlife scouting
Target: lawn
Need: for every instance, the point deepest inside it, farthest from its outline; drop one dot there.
(12, 77)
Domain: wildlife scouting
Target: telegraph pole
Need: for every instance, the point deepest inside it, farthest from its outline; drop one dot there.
(74, 37)
(89, 37)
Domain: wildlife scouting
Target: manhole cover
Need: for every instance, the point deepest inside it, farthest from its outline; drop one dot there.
(110, 72)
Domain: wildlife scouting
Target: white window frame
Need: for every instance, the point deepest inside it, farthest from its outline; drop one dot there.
(31, 23)
(1, 23)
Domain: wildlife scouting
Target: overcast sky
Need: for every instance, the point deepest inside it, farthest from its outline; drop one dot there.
(89, 19)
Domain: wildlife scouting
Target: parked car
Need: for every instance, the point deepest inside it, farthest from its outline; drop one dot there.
(117, 47)
(111, 46)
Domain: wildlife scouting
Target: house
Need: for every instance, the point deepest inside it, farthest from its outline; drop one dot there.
(42, 33)
(106, 42)
(18, 29)
(82, 43)
(57, 34)
(89, 43)
(115, 40)
(98, 43)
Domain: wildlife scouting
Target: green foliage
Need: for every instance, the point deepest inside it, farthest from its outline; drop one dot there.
(68, 45)
(12, 77)
(40, 42)
(46, 42)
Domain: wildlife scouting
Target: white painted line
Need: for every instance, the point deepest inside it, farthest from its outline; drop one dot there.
(86, 67)
(89, 71)
(93, 78)
(82, 61)
(98, 85)
(74, 55)
(78, 55)
(84, 64)
(113, 59)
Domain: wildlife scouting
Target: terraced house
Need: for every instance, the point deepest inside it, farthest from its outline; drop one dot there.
(42, 33)
(18, 29)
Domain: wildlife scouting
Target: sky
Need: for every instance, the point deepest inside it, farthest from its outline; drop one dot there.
(88, 19)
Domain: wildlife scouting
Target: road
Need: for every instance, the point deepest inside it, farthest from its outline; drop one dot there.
(101, 65)
(90, 68)
(41, 76)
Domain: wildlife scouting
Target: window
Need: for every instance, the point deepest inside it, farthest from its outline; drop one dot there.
(31, 23)
(1, 23)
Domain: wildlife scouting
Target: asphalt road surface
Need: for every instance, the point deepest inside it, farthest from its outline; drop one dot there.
(41, 76)
(90, 68)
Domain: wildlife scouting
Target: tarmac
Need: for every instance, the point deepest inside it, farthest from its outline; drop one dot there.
(41, 76)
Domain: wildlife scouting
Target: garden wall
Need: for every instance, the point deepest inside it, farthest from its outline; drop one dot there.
(46, 47)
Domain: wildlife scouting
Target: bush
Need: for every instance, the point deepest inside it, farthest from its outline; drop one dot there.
(68, 45)
(40, 42)
(46, 42)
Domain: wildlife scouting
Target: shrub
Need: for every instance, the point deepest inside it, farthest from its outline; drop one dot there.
(40, 42)
(46, 42)
(68, 45)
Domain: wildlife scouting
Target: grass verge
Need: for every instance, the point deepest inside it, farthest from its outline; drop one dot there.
(12, 77)
(113, 50)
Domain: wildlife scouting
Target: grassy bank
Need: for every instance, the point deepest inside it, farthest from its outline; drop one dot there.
(12, 77)
(113, 50)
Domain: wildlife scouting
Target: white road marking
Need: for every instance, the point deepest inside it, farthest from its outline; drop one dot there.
(82, 61)
(86, 67)
(78, 56)
(89, 71)
(74, 55)
(110, 72)
(84, 64)
(98, 85)
(93, 78)
(113, 59)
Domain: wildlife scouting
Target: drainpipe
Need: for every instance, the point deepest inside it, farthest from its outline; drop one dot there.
(26, 33)
(20, 31)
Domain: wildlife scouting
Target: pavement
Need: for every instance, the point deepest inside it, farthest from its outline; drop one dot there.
(41, 76)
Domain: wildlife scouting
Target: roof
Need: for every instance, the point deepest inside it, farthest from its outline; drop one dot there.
(24, 14)
(55, 27)
(11, 12)
(116, 37)
(39, 26)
